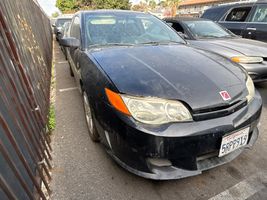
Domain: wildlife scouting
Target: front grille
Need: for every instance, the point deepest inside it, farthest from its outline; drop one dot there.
(220, 111)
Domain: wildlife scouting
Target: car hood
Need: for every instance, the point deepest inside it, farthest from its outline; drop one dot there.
(233, 47)
(173, 72)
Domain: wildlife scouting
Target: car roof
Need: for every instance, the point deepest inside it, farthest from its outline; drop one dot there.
(234, 4)
(186, 19)
(110, 11)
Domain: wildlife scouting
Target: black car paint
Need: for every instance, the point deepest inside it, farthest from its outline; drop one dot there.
(246, 29)
(165, 75)
(133, 70)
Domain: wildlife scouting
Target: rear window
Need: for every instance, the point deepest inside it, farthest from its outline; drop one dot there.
(60, 22)
(238, 14)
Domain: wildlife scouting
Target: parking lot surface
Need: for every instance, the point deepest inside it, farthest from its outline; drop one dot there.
(83, 170)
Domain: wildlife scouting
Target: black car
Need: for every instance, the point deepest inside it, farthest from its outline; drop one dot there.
(248, 20)
(162, 109)
(210, 36)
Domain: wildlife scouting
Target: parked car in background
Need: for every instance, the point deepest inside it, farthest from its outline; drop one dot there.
(52, 21)
(59, 22)
(248, 20)
(162, 109)
(64, 32)
(208, 35)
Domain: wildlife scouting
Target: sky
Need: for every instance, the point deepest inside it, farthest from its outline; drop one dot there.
(49, 5)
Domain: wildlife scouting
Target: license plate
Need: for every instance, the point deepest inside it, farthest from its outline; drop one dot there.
(234, 141)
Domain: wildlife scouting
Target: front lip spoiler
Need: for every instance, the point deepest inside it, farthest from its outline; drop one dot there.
(169, 173)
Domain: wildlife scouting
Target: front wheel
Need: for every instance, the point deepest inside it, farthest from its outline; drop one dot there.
(89, 119)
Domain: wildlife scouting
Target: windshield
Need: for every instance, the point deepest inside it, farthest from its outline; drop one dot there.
(207, 29)
(127, 29)
(61, 22)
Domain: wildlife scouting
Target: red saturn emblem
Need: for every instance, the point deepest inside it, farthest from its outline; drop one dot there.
(225, 95)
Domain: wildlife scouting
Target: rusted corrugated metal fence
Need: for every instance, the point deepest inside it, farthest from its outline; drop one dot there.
(25, 72)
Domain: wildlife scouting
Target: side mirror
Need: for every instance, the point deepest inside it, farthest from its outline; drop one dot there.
(169, 24)
(183, 35)
(69, 42)
(60, 32)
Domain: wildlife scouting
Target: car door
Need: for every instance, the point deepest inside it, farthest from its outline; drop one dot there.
(74, 52)
(236, 18)
(257, 26)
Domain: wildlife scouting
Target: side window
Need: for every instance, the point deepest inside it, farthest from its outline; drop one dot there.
(75, 28)
(238, 14)
(178, 27)
(261, 14)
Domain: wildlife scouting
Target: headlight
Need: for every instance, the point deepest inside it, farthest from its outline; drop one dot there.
(156, 111)
(150, 110)
(247, 60)
(250, 88)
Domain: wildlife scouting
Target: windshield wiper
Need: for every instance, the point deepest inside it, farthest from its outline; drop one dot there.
(160, 42)
(213, 36)
(208, 36)
(110, 44)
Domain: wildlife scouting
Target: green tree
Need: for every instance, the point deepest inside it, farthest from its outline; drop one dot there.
(55, 14)
(152, 4)
(66, 6)
(111, 4)
(140, 7)
(163, 4)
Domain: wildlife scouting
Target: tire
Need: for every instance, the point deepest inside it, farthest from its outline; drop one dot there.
(71, 72)
(90, 119)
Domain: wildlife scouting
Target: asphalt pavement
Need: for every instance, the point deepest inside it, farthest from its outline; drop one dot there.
(84, 171)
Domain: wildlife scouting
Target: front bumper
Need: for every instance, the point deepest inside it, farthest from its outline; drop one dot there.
(258, 72)
(190, 147)
(174, 172)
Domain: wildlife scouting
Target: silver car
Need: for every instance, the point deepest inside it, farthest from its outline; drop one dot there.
(210, 36)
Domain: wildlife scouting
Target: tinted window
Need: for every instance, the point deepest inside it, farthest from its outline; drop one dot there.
(177, 27)
(75, 28)
(238, 14)
(214, 14)
(261, 14)
(125, 28)
(207, 29)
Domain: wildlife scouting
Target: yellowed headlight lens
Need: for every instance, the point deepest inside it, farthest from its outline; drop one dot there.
(247, 60)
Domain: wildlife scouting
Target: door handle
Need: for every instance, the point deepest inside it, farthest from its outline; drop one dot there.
(252, 29)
